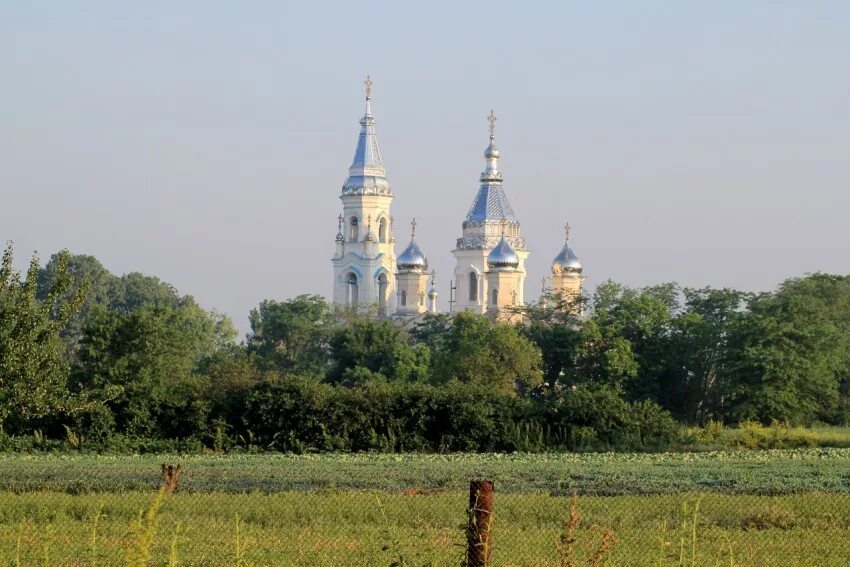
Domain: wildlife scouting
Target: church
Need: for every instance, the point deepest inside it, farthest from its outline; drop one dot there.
(490, 255)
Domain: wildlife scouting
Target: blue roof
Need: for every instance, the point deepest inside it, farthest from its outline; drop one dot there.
(492, 204)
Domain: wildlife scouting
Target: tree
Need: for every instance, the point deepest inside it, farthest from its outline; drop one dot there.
(292, 335)
(33, 372)
(478, 351)
(153, 352)
(554, 326)
(792, 352)
(366, 349)
(86, 271)
(696, 372)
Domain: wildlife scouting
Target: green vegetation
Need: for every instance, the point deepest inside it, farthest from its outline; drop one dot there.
(91, 361)
(730, 508)
(363, 528)
(773, 471)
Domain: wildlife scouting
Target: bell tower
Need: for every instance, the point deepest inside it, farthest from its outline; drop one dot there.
(490, 221)
(364, 263)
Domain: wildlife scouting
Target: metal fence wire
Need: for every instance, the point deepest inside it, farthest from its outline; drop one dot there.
(493, 523)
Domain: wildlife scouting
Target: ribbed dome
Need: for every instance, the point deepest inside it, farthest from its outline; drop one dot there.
(412, 258)
(566, 262)
(503, 256)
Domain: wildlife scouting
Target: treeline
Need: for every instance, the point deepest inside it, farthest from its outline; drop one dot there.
(100, 362)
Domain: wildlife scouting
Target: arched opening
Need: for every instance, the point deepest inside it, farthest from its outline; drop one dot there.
(352, 291)
(403, 298)
(473, 286)
(382, 294)
(494, 298)
(353, 230)
(382, 230)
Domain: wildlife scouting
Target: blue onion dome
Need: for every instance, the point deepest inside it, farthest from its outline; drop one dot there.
(412, 258)
(566, 262)
(503, 256)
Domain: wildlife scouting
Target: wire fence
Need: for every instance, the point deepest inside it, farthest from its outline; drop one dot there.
(498, 523)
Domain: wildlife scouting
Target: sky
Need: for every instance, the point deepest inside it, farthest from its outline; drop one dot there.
(206, 142)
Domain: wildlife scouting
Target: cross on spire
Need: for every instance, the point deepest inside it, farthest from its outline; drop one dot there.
(340, 220)
(413, 228)
(491, 119)
(504, 223)
(567, 232)
(368, 84)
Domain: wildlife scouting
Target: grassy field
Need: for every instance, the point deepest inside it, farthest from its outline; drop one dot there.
(754, 508)
(363, 528)
(772, 471)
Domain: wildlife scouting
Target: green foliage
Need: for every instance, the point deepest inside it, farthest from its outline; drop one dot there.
(293, 335)
(479, 351)
(33, 371)
(793, 352)
(152, 353)
(365, 349)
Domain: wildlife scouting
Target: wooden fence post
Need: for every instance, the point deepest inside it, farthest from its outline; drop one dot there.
(170, 477)
(479, 534)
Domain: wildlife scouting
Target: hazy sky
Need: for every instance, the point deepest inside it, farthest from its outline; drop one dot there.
(206, 142)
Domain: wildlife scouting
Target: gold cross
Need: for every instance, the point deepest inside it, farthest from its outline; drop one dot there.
(368, 83)
(491, 118)
(413, 228)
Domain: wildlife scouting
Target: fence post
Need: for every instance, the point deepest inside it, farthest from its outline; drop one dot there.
(479, 535)
(170, 477)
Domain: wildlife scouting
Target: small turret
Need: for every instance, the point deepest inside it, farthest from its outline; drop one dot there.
(567, 270)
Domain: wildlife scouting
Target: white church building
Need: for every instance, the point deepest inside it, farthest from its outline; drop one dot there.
(490, 255)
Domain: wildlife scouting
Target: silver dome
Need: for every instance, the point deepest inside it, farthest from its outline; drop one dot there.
(566, 262)
(503, 256)
(412, 258)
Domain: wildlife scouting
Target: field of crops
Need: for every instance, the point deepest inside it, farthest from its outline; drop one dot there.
(737, 508)
(776, 471)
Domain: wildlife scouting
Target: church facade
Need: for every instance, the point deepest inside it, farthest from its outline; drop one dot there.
(490, 255)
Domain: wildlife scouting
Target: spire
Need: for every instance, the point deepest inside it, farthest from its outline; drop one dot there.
(491, 203)
(367, 176)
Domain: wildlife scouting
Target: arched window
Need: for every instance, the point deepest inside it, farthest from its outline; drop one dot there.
(403, 298)
(382, 294)
(354, 230)
(382, 230)
(473, 286)
(494, 298)
(353, 290)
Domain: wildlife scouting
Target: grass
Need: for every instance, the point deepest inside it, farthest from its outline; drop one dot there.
(348, 528)
(772, 471)
(744, 508)
(753, 435)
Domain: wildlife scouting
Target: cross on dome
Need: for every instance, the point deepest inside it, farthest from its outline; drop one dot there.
(368, 84)
(491, 118)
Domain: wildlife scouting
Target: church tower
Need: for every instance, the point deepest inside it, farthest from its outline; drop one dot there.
(567, 270)
(364, 263)
(412, 279)
(489, 222)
